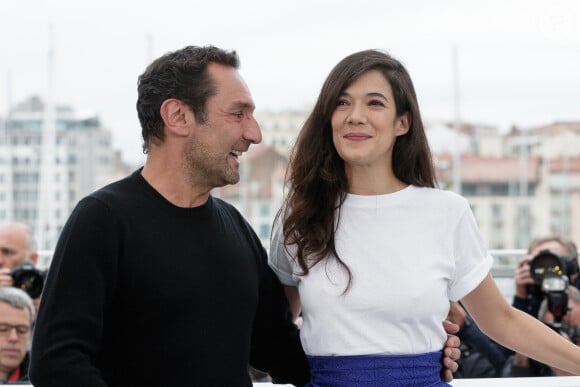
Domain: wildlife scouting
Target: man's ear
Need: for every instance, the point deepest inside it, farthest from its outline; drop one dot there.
(403, 124)
(34, 258)
(176, 117)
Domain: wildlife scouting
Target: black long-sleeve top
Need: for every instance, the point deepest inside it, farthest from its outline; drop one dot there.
(143, 293)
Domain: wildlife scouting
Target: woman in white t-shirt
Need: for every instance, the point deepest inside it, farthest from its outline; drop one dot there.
(371, 252)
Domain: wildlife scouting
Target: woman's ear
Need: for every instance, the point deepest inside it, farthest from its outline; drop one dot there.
(176, 117)
(403, 124)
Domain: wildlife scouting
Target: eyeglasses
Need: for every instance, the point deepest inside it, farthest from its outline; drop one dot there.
(5, 329)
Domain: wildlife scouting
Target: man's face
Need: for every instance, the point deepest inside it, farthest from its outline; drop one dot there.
(211, 156)
(12, 343)
(13, 246)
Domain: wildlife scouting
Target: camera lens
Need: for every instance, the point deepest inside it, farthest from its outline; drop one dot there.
(546, 265)
(28, 278)
(31, 282)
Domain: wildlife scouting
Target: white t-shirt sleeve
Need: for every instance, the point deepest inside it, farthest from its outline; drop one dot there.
(472, 260)
(278, 257)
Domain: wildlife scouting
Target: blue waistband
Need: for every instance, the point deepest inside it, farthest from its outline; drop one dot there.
(376, 371)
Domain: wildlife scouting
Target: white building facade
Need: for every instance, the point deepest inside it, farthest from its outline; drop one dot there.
(83, 160)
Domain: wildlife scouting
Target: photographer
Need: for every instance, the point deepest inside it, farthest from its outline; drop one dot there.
(18, 257)
(529, 297)
(571, 321)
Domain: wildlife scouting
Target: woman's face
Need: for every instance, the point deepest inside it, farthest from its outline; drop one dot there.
(364, 123)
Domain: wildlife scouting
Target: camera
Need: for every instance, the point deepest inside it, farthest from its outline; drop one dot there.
(28, 278)
(551, 273)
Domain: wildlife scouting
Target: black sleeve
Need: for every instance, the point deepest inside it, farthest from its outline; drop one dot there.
(476, 340)
(276, 346)
(530, 305)
(69, 328)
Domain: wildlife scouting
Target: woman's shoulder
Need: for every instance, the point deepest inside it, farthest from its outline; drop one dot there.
(440, 196)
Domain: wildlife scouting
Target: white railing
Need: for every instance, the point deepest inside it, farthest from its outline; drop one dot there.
(561, 381)
(504, 265)
(556, 381)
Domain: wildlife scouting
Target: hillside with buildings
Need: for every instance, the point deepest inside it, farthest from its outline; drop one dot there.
(520, 184)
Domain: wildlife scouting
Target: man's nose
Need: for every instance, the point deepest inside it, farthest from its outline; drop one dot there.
(252, 132)
(13, 334)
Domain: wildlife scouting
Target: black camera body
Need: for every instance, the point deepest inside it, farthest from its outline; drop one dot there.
(28, 278)
(551, 273)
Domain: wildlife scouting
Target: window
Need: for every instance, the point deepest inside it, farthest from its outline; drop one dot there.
(496, 211)
(264, 231)
(264, 210)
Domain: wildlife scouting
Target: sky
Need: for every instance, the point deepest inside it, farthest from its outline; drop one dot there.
(508, 62)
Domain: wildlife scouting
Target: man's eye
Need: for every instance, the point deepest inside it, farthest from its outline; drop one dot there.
(239, 115)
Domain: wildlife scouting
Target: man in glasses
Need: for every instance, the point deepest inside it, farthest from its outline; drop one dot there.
(16, 317)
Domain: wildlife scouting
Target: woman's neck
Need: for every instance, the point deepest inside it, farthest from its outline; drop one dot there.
(363, 181)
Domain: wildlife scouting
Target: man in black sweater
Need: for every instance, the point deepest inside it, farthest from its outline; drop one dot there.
(154, 282)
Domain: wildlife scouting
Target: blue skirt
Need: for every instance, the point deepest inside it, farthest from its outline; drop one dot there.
(376, 371)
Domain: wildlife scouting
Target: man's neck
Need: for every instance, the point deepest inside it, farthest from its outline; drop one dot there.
(173, 186)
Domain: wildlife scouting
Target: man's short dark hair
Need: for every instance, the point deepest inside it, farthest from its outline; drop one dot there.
(182, 75)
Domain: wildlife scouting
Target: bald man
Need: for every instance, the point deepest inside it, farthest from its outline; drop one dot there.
(16, 244)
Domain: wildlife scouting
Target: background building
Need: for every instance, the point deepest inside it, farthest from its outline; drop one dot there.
(81, 160)
(520, 184)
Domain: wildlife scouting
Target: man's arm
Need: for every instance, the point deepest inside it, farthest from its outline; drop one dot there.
(276, 346)
(523, 300)
(68, 331)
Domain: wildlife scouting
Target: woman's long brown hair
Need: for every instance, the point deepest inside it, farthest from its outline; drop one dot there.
(316, 179)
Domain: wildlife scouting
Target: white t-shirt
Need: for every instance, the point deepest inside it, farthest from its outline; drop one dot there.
(409, 252)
